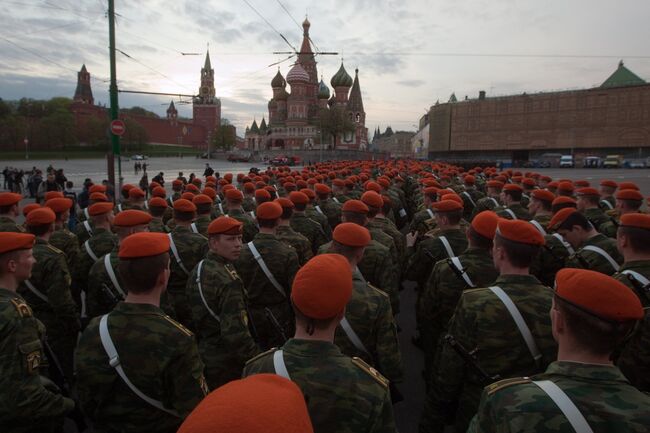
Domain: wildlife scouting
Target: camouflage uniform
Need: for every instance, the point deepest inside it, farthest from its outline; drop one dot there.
(600, 392)
(64, 240)
(389, 228)
(422, 258)
(57, 310)
(551, 258)
(634, 361)
(419, 221)
(82, 233)
(201, 223)
(321, 219)
(470, 197)
(585, 259)
(332, 211)
(310, 229)
(486, 203)
(225, 343)
(517, 208)
(371, 319)
(343, 395)
(157, 225)
(101, 293)
(482, 321)
(611, 200)
(299, 243)
(9, 225)
(249, 204)
(27, 405)
(282, 262)
(597, 217)
(250, 228)
(102, 242)
(377, 233)
(192, 248)
(158, 355)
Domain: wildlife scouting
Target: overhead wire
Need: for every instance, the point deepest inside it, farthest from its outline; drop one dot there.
(270, 25)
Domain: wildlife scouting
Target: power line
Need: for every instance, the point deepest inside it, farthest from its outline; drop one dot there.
(299, 26)
(270, 25)
(149, 67)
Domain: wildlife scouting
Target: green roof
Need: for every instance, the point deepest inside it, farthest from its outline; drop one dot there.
(622, 77)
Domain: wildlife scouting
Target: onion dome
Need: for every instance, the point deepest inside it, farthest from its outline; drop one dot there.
(341, 78)
(298, 73)
(323, 90)
(278, 81)
(282, 95)
(306, 24)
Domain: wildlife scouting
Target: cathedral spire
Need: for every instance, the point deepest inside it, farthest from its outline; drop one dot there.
(207, 65)
(355, 102)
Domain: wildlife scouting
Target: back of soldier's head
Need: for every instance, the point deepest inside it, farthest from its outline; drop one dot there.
(144, 257)
(519, 240)
(634, 233)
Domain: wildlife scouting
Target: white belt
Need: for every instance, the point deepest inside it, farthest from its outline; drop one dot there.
(511, 213)
(352, 336)
(90, 251)
(608, 204)
(430, 212)
(445, 243)
(539, 227)
(469, 197)
(279, 365)
(564, 243)
(35, 291)
(265, 269)
(318, 209)
(194, 228)
(89, 229)
(496, 203)
(200, 287)
(604, 254)
(456, 263)
(637, 276)
(111, 274)
(568, 408)
(172, 246)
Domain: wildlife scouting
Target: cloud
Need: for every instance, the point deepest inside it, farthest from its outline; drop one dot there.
(411, 83)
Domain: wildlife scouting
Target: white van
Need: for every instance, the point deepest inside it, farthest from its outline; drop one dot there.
(566, 161)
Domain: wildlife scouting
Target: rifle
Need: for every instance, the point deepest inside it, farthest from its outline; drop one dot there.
(276, 325)
(58, 377)
(470, 358)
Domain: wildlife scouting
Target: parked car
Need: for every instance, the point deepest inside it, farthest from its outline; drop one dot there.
(138, 157)
(634, 163)
(567, 161)
(613, 161)
(235, 157)
(285, 160)
(592, 162)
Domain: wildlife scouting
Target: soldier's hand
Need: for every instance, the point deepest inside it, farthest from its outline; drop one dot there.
(411, 237)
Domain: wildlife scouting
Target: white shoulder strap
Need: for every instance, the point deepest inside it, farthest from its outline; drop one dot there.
(565, 243)
(511, 213)
(114, 361)
(456, 263)
(279, 366)
(252, 214)
(445, 243)
(35, 291)
(568, 408)
(604, 254)
(319, 210)
(494, 200)
(86, 213)
(469, 197)
(146, 205)
(194, 228)
(177, 256)
(90, 251)
(336, 200)
(637, 276)
(430, 212)
(221, 208)
(265, 269)
(89, 229)
(111, 274)
(524, 330)
(608, 204)
(119, 207)
(539, 227)
(352, 336)
(200, 287)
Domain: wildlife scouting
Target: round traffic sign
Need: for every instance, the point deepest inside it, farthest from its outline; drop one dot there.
(118, 127)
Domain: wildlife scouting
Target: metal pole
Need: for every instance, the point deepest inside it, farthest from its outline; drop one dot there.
(115, 139)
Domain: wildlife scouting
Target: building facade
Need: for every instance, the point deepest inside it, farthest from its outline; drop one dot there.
(304, 116)
(611, 118)
(395, 144)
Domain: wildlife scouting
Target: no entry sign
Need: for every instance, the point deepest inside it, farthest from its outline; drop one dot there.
(118, 127)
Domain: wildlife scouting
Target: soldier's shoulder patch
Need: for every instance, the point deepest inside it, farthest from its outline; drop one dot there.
(381, 292)
(182, 328)
(232, 272)
(54, 249)
(479, 289)
(21, 307)
(505, 383)
(261, 355)
(370, 371)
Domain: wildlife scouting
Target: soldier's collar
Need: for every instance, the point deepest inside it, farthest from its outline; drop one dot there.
(311, 348)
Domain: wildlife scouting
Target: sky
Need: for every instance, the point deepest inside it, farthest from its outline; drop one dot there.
(410, 53)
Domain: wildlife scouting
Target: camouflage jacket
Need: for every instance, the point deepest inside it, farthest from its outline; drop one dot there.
(249, 204)
(101, 294)
(542, 220)
(343, 395)
(201, 223)
(444, 288)
(521, 213)
(102, 242)
(597, 217)
(332, 211)
(225, 343)
(585, 259)
(299, 243)
(27, 405)
(157, 225)
(377, 233)
(398, 238)
(310, 229)
(64, 240)
(192, 248)
(282, 262)
(600, 392)
(9, 225)
(611, 200)
(81, 231)
(486, 203)
(470, 197)
(250, 227)
(429, 251)
(551, 258)
(370, 317)
(321, 219)
(418, 223)
(481, 321)
(609, 228)
(158, 355)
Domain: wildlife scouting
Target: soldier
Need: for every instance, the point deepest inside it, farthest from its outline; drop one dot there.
(267, 267)
(29, 403)
(249, 203)
(588, 200)
(330, 208)
(450, 277)
(47, 291)
(105, 288)
(137, 200)
(540, 207)
(607, 190)
(627, 201)
(342, 394)
(99, 192)
(9, 211)
(203, 208)
(508, 324)
(234, 210)
(84, 230)
(316, 213)
(582, 391)
(633, 241)
(374, 202)
(216, 296)
(565, 188)
(304, 225)
(493, 199)
(512, 208)
(187, 249)
(418, 223)
(62, 238)
(287, 235)
(470, 196)
(593, 250)
(381, 221)
(368, 329)
(157, 208)
(138, 369)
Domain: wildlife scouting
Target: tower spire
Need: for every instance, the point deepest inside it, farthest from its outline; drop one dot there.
(207, 65)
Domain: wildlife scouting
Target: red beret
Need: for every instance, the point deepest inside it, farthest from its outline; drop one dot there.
(512, 187)
(321, 188)
(285, 203)
(351, 235)
(201, 199)
(446, 206)
(136, 193)
(430, 190)
(587, 191)
(323, 286)
(40, 217)
(453, 196)
(494, 184)
(628, 185)
(249, 187)
(9, 198)
(528, 181)
(485, 223)
(97, 188)
(372, 199)
(609, 183)
(190, 187)
(546, 178)
(289, 186)
(262, 194)
(629, 194)
(383, 182)
(582, 183)
(98, 196)
(298, 197)
(543, 195)
(10, 241)
(157, 202)
(210, 192)
(159, 191)
(131, 218)
(59, 204)
(234, 195)
(565, 186)
(598, 294)
(30, 207)
(373, 186)
(638, 220)
(127, 187)
(100, 208)
(197, 181)
(356, 206)
(228, 177)
(187, 196)
(520, 231)
(143, 244)
(309, 193)
(225, 225)
(563, 200)
(469, 179)
(177, 182)
(53, 194)
(269, 211)
(560, 216)
(278, 405)
(184, 205)
(339, 182)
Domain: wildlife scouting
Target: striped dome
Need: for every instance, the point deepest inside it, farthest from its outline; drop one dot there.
(297, 73)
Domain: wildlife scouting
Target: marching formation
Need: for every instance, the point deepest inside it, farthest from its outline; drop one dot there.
(267, 301)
